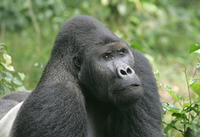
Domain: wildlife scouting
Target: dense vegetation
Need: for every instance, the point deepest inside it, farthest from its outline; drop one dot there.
(163, 30)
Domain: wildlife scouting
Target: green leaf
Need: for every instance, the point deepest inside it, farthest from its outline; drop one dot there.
(8, 67)
(190, 133)
(8, 79)
(192, 81)
(121, 9)
(191, 108)
(21, 88)
(7, 58)
(179, 116)
(197, 68)
(22, 76)
(156, 73)
(193, 48)
(7, 74)
(17, 82)
(197, 102)
(1, 89)
(173, 109)
(6, 89)
(1, 47)
(170, 91)
(186, 105)
(5, 47)
(196, 88)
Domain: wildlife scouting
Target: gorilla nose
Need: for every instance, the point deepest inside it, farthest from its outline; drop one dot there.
(125, 71)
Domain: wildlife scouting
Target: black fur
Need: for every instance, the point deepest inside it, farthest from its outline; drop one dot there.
(94, 85)
(10, 100)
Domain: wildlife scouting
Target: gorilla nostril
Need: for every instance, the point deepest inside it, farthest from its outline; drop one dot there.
(129, 71)
(123, 72)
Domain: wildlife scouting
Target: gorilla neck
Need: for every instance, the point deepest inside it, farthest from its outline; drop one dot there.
(97, 115)
(54, 73)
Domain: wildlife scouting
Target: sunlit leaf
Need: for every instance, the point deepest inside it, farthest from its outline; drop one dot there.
(7, 58)
(197, 68)
(170, 91)
(1, 47)
(197, 102)
(121, 9)
(8, 67)
(9, 80)
(21, 88)
(6, 89)
(22, 76)
(196, 88)
(7, 74)
(192, 81)
(17, 82)
(4, 45)
(186, 105)
(193, 48)
(105, 2)
(173, 109)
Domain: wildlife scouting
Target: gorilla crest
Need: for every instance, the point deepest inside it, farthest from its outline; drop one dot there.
(94, 85)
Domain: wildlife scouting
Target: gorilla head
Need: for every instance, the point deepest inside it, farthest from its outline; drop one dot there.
(94, 84)
(107, 71)
(103, 62)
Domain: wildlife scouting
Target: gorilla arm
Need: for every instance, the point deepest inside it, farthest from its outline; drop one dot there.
(52, 110)
(7, 121)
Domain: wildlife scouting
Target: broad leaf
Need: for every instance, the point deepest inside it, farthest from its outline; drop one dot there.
(8, 67)
(193, 48)
(196, 88)
(7, 58)
(170, 91)
(17, 82)
(22, 76)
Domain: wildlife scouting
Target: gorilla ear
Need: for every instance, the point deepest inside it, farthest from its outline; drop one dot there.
(77, 62)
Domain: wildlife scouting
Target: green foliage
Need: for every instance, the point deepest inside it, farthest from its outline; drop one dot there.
(159, 28)
(8, 82)
(187, 111)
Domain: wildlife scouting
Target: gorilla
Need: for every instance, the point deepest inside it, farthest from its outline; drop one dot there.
(94, 85)
(7, 121)
(9, 106)
(10, 100)
(18, 96)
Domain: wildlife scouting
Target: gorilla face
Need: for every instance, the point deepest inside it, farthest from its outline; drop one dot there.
(107, 72)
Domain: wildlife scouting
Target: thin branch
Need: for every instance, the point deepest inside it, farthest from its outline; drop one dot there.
(37, 29)
(35, 23)
(3, 30)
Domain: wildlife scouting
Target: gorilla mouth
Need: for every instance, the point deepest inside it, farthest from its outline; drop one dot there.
(133, 85)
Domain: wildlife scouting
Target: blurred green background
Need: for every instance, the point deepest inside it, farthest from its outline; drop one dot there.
(162, 29)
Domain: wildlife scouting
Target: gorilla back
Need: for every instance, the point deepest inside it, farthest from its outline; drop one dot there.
(94, 85)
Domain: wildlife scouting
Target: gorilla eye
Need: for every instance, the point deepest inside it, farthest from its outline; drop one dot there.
(77, 62)
(122, 53)
(106, 57)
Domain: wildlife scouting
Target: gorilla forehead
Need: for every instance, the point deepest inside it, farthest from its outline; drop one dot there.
(110, 47)
(84, 31)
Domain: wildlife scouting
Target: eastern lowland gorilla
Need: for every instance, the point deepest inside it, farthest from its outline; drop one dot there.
(93, 85)
(10, 100)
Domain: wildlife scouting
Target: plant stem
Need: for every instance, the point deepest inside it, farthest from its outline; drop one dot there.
(188, 92)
